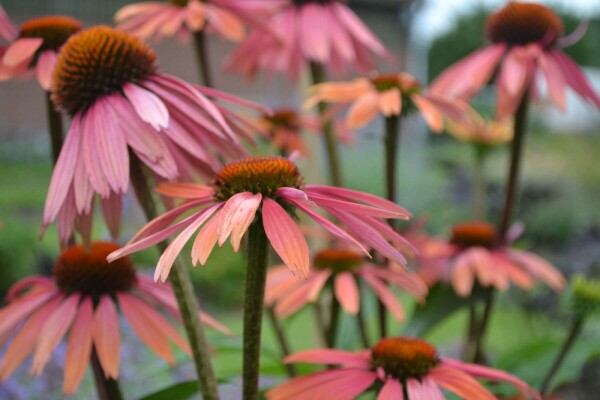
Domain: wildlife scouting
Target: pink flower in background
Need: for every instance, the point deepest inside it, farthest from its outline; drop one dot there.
(388, 95)
(84, 298)
(154, 20)
(121, 105)
(475, 253)
(390, 367)
(526, 41)
(284, 128)
(344, 269)
(273, 187)
(321, 31)
(34, 46)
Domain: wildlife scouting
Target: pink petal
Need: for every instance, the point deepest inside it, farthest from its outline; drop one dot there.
(346, 291)
(63, 172)
(21, 50)
(225, 22)
(426, 389)
(79, 348)
(313, 21)
(148, 106)
(17, 311)
(28, 284)
(392, 390)
(540, 268)
(44, 69)
(205, 241)
(554, 80)
(460, 383)
(386, 296)
(575, 77)
(330, 202)
(111, 209)
(53, 331)
(136, 9)
(184, 190)
(363, 110)
(285, 237)
(297, 297)
(433, 117)
(236, 216)
(390, 102)
(163, 267)
(25, 340)
(107, 337)
(462, 277)
(331, 357)
(145, 327)
(359, 31)
(7, 29)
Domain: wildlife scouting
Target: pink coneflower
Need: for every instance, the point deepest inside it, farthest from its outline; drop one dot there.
(322, 31)
(108, 81)
(392, 366)
(342, 268)
(475, 252)
(34, 46)
(273, 187)
(389, 95)
(285, 127)
(525, 40)
(153, 20)
(85, 297)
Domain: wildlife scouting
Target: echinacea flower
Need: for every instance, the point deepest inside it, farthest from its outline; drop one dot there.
(526, 40)
(481, 131)
(321, 31)
(85, 297)
(157, 19)
(392, 366)
(284, 128)
(475, 252)
(273, 187)
(34, 46)
(108, 82)
(343, 269)
(389, 95)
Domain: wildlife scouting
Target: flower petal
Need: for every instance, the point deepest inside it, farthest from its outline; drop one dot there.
(107, 337)
(346, 291)
(21, 50)
(392, 390)
(79, 348)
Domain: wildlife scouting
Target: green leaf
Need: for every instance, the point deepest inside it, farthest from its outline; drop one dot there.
(179, 391)
(441, 302)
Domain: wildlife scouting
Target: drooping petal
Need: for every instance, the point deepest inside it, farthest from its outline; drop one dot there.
(148, 106)
(182, 190)
(44, 69)
(236, 216)
(386, 296)
(554, 80)
(107, 337)
(331, 357)
(462, 277)
(540, 268)
(392, 390)
(346, 291)
(460, 383)
(205, 241)
(426, 389)
(363, 110)
(390, 102)
(17, 311)
(79, 348)
(21, 50)
(54, 329)
(285, 237)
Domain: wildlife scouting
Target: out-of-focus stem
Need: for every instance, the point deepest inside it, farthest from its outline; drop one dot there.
(282, 340)
(479, 355)
(202, 58)
(479, 184)
(318, 76)
(108, 388)
(55, 128)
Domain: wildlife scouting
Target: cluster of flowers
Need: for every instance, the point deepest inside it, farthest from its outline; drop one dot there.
(128, 117)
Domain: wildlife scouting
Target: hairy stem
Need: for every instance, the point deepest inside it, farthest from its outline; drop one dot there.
(108, 388)
(318, 76)
(183, 289)
(254, 293)
(574, 332)
(282, 340)
(202, 58)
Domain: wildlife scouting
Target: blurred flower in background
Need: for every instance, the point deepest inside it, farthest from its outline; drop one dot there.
(479, 130)
(34, 46)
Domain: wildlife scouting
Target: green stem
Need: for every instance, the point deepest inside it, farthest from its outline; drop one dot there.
(471, 333)
(55, 128)
(256, 276)
(574, 332)
(334, 317)
(515, 163)
(392, 137)
(479, 184)
(479, 355)
(320, 322)
(108, 388)
(182, 287)
(202, 58)
(318, 76)
(362, 326)
(282, 340)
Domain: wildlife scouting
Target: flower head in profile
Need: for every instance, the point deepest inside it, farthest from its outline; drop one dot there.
(157, 19)
(321, 31)
(284, 128)
(475, 252)
(34, 46)
(391, 367)
(481, 131)
(83, 300)
(389, 95)
(343, 268)
(526, 41)
(108, 82)
(273, 188)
